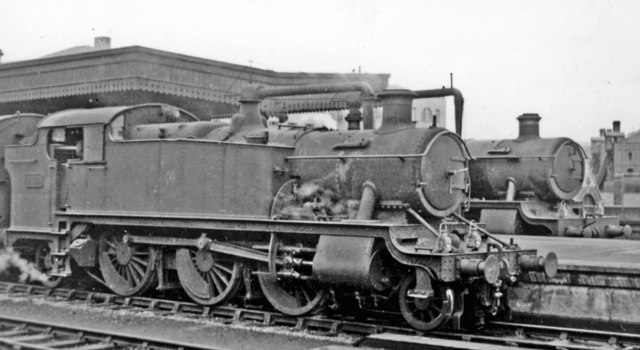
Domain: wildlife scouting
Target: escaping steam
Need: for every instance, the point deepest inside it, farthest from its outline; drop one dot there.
(9, 258)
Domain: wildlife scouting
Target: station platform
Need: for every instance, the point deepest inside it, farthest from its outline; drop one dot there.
(598, 283)
(586, 254)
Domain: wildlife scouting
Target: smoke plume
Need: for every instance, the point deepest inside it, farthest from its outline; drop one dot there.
(9, 258)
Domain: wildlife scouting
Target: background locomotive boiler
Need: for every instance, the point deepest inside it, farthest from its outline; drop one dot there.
(148, 194)
(533, 185)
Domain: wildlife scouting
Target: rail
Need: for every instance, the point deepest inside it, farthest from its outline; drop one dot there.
(17, 333)
(383, 330)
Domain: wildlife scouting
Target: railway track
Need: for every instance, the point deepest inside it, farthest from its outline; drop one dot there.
(372, 332)
(19, 334)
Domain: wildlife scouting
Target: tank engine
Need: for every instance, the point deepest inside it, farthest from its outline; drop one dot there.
(533, 185)
(146, 195)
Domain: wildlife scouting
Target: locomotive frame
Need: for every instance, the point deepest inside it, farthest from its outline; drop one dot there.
(147, 192)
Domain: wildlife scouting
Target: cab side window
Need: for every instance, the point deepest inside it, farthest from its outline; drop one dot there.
(65, 144)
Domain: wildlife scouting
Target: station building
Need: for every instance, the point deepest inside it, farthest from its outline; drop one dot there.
(616, 161)
(98, 75)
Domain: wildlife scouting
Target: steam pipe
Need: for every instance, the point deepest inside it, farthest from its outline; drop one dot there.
(254, 93)
(367, 202)
(259, 93)
(511, 189)
(458, 102)
(487, 233)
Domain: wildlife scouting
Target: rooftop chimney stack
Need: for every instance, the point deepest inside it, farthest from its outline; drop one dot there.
(529, 125)
(616, 126)
(102, 43)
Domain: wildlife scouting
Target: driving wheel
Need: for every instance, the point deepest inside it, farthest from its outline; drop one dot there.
(425, 313)
(127, 269)
(293, 297)
(207, 278)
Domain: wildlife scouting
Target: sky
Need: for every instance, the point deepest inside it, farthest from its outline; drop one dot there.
(575, 62)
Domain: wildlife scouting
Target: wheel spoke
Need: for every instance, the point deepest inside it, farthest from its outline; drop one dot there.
(128, 276)
(220, 275)
(139, 268)
(219, 266)
(211, 287)
(133, 273)
(434, 307)
(214, 279)
(111, 244)
(431, 316)
(127, 270)
(299, 298)
(424, 314)
(305, 294)
(292, 297)
(139, 261)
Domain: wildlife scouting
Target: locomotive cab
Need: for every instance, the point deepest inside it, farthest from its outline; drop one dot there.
(60, 168)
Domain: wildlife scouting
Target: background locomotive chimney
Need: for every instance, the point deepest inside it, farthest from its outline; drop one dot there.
(529, 125)
(102, 43)
(396, 108)
(616, 126)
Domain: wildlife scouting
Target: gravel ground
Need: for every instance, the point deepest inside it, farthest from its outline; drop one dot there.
(201, 331)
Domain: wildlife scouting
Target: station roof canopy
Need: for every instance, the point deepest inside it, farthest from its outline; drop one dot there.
(132, 75)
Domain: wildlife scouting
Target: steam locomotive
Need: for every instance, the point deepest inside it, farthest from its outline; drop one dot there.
(533, 185)
(149, 195)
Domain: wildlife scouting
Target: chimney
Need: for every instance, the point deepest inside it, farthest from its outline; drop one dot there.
(602, 131)
(102, 43)
(396, 109)
(616, 126)
(529, 126)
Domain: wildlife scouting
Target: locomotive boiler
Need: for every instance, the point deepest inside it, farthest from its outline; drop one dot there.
(150, 196)
(533, 185)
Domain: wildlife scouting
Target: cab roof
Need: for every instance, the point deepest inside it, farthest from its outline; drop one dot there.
(101, 115)
(20, 115)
